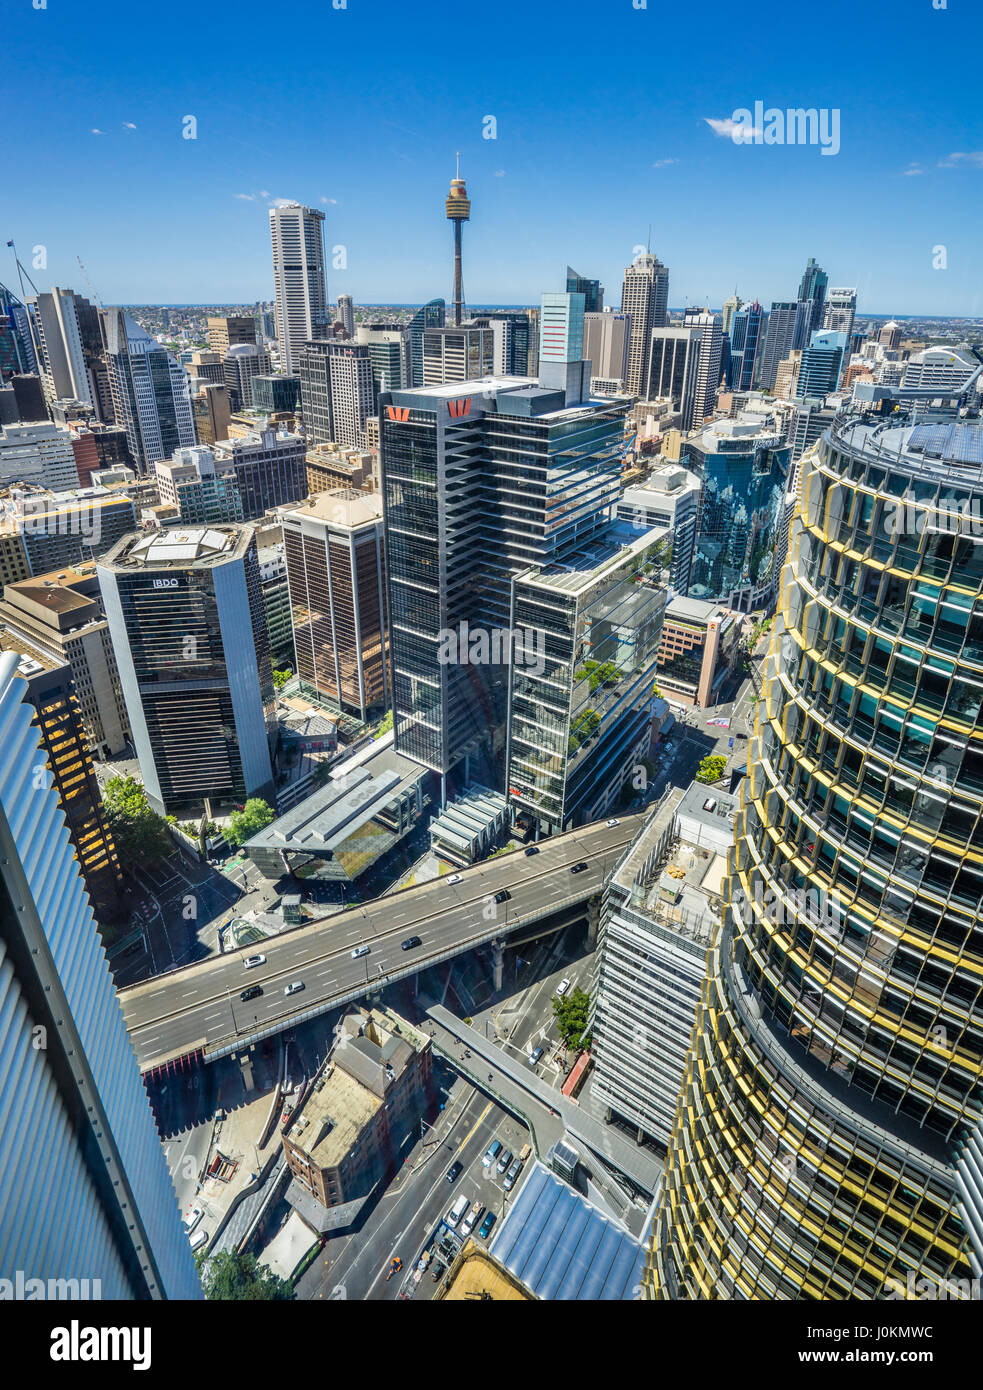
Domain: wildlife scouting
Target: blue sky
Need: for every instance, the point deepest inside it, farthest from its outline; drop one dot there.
(360, 111)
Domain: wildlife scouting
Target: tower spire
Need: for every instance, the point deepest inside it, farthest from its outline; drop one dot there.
(458, 211)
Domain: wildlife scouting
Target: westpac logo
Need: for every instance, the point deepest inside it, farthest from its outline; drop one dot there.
(460, 408)
(398, 412)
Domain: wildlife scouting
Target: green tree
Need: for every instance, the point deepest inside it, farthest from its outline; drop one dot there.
(280, 678)
(140, 834)
(711, 769)
(230, 1275)
(254, 817)
(571, 1014)
(385, 726)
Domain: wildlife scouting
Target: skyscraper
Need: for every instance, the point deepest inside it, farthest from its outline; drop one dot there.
(87, 1194)
(592, 290)
(301, 308)
(788, 328)
(458, 210)
(457, 354)
(674, 362)
(833, 1082)
(606, 339)
(812, 287)
(841, 308)
(337, 392)
(150, 391)
(225, 331)
(729, 309)
(708, 370)
(430, 315)
(243, 361)
(746, 336)
(336, 573)
(71, 348)
(186, 617)
(645, 298)
(822, 362)
(346, 313)
(17, 354)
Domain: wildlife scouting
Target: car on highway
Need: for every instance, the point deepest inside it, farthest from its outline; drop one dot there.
(454, 878)
(504, 1161)
(534, 1056)
(192, 1216)
(562, 987)
(515, 1168)
(486, 1225)
(493, 1151)
(532, 849)
(252, 993)
(411, 943)
(503, 895)
(613, 821)
(579, 868)
(360, 951)
(251, 961)
(455, 1171)
(294, 988)
(468, 1224)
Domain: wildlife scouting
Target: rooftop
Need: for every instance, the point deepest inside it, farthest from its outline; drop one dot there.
(344, 507)
(620, 542)
(200, 547)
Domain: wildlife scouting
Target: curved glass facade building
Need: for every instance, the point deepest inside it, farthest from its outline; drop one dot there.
(834, 1076)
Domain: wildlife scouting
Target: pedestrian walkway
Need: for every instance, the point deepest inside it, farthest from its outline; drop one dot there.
(548, 1114)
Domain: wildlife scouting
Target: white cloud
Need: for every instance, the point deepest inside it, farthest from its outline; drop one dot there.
(912, 170)
(128, 125)
(247, 197)
(727, 127)
(973, 158)
(96, 131)
(500, 173)
(333, 201)
(263, 193)
(662, 163)
(281, 202)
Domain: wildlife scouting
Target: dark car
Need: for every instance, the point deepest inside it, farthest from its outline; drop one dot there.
(503, 896)
(253, 992)
(455, 1171)
(579, 868)
(486, 1225)
(437, 1271)
(533, 849)
(412, 942)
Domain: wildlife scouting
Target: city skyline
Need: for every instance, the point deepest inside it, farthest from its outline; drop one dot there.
(911, 182)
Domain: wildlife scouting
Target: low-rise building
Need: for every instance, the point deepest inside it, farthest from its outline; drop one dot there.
(698, 650)
(366, 1100)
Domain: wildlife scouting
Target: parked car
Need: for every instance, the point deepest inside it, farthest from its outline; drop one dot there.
(294, 988)
(502, 896)
(504, 1161)
(360, 951)
(455, 1171)
(493, 1151)
(534, 1056)
(467, 1225)
(532, 849)
(252, 961)
(198, 1239)
(579, 868)
(515, 1168)
(424, 1259)
(457, 1211)
(562, 987)
(192, 1216)
(252, 993)
(486, 1225)
(438, 1271)
(411, 943)
(454, 878)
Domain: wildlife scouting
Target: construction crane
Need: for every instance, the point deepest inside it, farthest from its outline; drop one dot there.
(89, 285)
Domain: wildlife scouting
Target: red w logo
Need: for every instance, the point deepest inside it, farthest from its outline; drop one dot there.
(459, 408)
(398, 412)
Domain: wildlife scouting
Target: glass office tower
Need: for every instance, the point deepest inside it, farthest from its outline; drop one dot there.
(833, 1085)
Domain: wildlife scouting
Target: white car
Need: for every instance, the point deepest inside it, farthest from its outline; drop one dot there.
(467, 1225)
(613, 821)
(295, 988)
(454, 878)
(360, 951)
(250, 961)
(192, 1216)
(198, 1239)
(562, 987)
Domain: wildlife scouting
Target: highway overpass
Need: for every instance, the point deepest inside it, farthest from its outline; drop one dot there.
(197, 1011)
